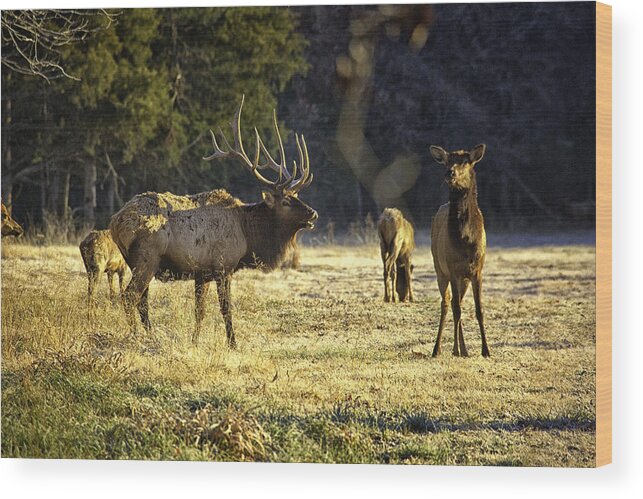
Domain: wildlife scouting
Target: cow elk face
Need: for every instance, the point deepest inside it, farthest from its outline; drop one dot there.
(459, 174)
(290, 210)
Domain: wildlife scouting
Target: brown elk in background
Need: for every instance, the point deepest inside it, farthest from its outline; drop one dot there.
(208, 236)
(9, 226)
(292, 258)
(100, 254)
(397, 242)
(458, 243)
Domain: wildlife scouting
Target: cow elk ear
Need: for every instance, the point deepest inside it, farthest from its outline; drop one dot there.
(439, 154)
(477, 153)
(268, 198)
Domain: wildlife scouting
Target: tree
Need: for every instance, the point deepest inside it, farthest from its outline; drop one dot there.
(136, 114)
(211, 57)
(33, 40)
(119, 101)
(33, 43)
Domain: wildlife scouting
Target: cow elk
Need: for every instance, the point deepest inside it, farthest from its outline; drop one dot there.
(397, 242)
(458, 243)
(208, 236)
(9, 226)
(101, 255)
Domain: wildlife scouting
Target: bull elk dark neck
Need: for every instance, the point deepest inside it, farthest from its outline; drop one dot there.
(267, 238)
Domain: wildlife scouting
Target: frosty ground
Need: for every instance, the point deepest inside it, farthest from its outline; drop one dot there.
(325, 371)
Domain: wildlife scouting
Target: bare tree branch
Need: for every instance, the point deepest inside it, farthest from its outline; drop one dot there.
(32, 39)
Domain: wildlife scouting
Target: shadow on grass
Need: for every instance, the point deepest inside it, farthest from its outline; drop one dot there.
(536, 344)
(420, 422)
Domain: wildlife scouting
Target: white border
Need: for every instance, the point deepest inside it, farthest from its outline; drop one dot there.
(52, 479)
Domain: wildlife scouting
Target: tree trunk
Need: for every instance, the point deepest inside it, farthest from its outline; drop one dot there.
(111, 191)
(43, 194)
(65, 196)
(360, 207)
(7, 178)
(7, 191)
(90, 194)
(53, 191)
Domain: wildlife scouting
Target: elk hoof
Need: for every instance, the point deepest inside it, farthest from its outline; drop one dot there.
(436, 352)
(485, 353)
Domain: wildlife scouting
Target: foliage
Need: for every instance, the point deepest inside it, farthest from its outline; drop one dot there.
(148, 89)
(120, 98)
(212, 57)
(33, 40)
(371, 87)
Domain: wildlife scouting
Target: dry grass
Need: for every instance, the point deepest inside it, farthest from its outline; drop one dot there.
(325, 371)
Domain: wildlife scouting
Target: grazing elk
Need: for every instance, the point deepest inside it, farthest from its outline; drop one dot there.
(9, 226)
(458, 243)
(100, 254)
(397, 242)
(208, 236)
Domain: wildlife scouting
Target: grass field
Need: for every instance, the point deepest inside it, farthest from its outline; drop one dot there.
(325, 370)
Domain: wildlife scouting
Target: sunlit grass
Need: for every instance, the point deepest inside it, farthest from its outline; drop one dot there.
(325, 370)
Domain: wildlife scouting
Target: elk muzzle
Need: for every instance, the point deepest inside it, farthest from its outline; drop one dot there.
(312, 218)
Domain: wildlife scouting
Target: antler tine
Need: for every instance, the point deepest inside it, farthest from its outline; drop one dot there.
(280, 167)
(263, 179)
(308, 173)
(226, 143)
(272, 164)
(280, 142)
(238, 150)
(301, 160)
(238, 141)
(302, 181)
(218, 152)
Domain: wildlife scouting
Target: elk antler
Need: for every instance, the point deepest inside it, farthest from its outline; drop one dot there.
(287, 181)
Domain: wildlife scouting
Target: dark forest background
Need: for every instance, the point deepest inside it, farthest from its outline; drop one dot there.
(124, 106)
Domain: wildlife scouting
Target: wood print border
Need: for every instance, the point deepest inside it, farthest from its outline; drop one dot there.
(603, 234)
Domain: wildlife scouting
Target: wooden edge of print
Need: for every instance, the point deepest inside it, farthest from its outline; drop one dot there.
(603, 234)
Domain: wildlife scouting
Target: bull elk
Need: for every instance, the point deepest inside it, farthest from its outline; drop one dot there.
(208, 236)
(458, 243)
(9, 226)
(100, 254)
(397, 242)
